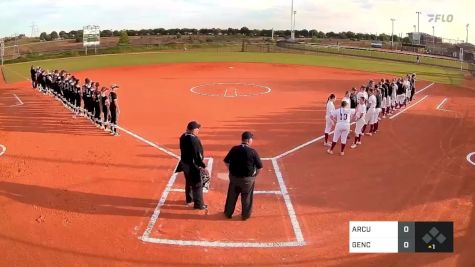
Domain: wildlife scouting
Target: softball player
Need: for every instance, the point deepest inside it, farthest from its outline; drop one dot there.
(360, 121)
(346, 99)
(369, 117)
(408, 89)
(343, 117)
(328, 121)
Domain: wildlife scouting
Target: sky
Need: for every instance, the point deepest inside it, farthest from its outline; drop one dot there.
(365, 16)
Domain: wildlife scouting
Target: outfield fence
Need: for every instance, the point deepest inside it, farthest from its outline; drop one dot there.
(285, 47)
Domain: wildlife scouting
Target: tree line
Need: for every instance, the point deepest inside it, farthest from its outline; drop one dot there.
(244, 31)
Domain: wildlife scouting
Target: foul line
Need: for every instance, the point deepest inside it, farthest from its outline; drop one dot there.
(150, 143)
(20, 103)
(404, 110)
(4, 150)
(425, 88)
(288, 203)
(469, 158)
(222, 244)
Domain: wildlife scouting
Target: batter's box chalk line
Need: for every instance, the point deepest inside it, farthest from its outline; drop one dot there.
(230, 89)
(299, 240)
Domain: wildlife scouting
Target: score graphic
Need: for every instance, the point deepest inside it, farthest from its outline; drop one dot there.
(400, 237)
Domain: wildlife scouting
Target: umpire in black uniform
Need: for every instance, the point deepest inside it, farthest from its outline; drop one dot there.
(244, 165)
(192, 165)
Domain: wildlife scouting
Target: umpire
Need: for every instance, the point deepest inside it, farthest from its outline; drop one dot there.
(192, 165)
(244, 165)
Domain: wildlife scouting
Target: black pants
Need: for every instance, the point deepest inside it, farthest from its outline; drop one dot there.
(193, 185)
(413, 91)
(245, 187)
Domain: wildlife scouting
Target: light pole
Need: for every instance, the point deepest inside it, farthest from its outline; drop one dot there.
(295, 14)
(392, 33)
(433, 34)
(466, 40)
(292, 33)
(418, 13)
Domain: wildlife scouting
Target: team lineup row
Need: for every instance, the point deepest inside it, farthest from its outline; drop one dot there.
(365, 108)
(99, 104)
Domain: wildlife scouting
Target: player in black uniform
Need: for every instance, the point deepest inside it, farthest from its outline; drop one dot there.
(33, 76)
(114, 109)
(105, 106)
(97, 105)
(86, 96)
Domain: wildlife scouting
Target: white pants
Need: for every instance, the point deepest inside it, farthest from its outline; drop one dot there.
(342, 130)
(383, 103)
(374, 118)
(359, 125)
(369, 115)
(388, 102)
(328, 125)
(393, 100)
(401, 99)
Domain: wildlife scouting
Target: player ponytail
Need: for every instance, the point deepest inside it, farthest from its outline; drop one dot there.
(331, 97)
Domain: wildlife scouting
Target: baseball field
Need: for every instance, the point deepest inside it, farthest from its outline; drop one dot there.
(71, 194)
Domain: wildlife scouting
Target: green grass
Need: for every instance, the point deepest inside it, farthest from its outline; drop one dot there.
(20, 71)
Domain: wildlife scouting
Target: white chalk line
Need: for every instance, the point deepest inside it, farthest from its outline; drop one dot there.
(3, 150)
(283, 191)
(439, 107)
(267, 90)
(222, 244)
(161, 202)
(150, 143)
(441, 103)
(256, 192)
(425, 88)
(288, 203)
(404, 110)
(469, 158)
(20, 103)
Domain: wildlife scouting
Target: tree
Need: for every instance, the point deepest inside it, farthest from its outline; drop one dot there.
(124, 38)
(54, 35)
(79, 36)
(48, 37)
(245, 31)
(63, 35)
(106, 33)
(116, 33)
(43, 36)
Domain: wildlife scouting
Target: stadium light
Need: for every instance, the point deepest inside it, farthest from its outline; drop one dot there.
(292, 33)
(418, 29)
(392, 33)
(466, 40)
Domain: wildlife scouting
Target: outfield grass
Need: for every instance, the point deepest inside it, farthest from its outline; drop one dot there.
(20, 71)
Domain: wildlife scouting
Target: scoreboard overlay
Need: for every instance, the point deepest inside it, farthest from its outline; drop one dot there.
(400, 237)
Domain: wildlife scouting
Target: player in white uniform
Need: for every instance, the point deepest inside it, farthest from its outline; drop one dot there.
(346, 98)
(370, 114)
(342, 129)
(394, 96)
(360, 122)
(329, 124)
